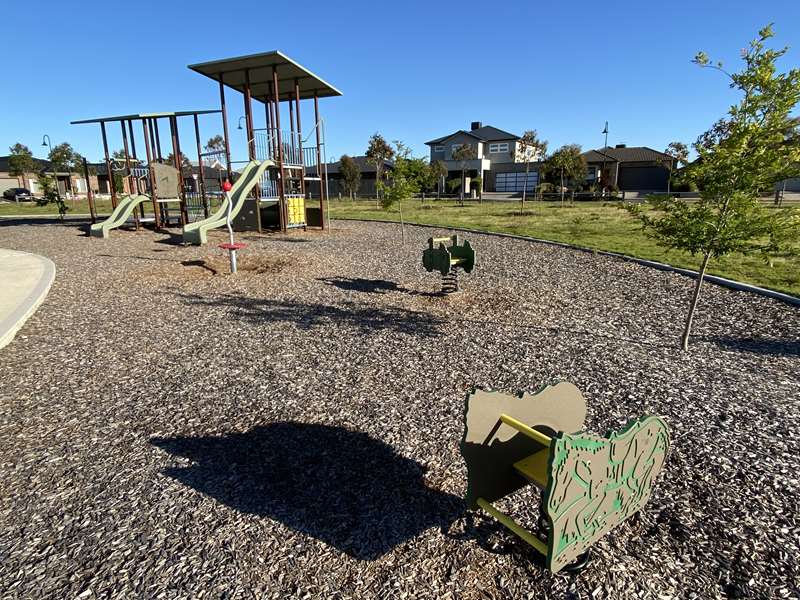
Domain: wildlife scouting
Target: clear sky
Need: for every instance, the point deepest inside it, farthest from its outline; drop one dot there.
(411, 70)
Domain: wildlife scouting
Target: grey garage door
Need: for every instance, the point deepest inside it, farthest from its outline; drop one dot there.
(7, 183)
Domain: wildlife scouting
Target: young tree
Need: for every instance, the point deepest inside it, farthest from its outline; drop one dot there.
(679, 153)
(529, 148)
(351, 175)
(21, 161)
(404, 182)
(50, 195)
(464, 153)
(570, 167)
(378, 152)
(438, 173)
(751, 148)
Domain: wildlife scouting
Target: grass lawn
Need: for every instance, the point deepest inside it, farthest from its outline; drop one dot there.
(76, 207)
(597, 225)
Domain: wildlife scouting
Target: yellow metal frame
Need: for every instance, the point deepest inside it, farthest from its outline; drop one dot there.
(533, 468)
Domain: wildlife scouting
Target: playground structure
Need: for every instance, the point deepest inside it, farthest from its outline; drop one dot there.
(156, 181)
(589, 484)
(281, 85)
(448, 260)
(291, 168)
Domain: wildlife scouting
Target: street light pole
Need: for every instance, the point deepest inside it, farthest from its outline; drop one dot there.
(47, 144)
(603, 169)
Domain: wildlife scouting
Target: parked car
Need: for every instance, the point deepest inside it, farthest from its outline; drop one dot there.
(18, 195)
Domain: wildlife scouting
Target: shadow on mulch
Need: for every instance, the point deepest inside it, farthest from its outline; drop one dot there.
(308, 316)
(342, 487)
(357, 284)
(757, 346)
(374, 286)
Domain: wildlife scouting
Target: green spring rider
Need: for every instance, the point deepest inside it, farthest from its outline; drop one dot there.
(589, 484)
(448, 260)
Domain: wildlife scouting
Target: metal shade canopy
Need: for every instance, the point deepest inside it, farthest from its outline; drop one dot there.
(233, 72)
(157, 115)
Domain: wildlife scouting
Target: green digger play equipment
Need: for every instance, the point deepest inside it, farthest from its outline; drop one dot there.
(448, 260)
(197, 232)
(589, 484)
(119, 216)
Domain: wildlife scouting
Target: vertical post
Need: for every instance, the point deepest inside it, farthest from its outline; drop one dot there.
(110, 172)
(151, 175)
(292, 145)
(251, 140)
(267, 117)
(322, 198)
(282, 183)
(89, 194)
(300, 139)
(225, 125)
(176, 154)
(274, 130)
(200, 166)
(132, 183)
(139, 189)
(158, 140)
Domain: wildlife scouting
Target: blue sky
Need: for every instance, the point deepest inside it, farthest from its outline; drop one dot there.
(410, 70)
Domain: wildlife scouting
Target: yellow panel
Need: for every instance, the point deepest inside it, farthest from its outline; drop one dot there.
(297, 211)
(534, 467)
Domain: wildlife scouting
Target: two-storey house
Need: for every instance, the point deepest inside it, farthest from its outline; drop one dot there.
(497, 161)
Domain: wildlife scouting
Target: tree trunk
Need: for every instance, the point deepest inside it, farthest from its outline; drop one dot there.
(463, 181)
(524, 187)
(695, 297)
(402, 222)
(562, 187)
(669, 179)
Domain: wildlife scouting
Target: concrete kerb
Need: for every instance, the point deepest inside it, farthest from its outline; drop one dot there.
(722, 281)
(27, 279)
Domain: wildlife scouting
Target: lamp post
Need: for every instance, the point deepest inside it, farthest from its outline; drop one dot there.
(239, 127)
(47, 144)
(603, 169)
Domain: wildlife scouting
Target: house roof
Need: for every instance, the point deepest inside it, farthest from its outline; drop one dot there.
(361, 161)
(234, 72)
(486, 133)
(632, 154)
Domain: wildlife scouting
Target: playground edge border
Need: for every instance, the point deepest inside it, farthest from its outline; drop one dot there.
(30, 303)
(721, 281)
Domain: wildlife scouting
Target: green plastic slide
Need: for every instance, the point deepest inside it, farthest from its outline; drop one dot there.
(124, 210)
(196, 233)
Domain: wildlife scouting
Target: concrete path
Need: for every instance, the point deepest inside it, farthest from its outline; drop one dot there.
(24, 282)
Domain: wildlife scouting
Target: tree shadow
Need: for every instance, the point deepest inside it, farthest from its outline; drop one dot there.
(342, 487)
(773, 347)
(309, 316)
(357, 284)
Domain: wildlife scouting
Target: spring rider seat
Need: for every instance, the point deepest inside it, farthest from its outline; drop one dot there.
(447, 260)
(589, 484)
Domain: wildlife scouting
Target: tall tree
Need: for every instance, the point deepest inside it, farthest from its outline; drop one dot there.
(679, 154)
(439, 173)
(529, 149)
(215, 144)
(378, 152)
(755, 145)
(351, 175)
(63, 157)
(20, 161)
(463, 154)
(569, 166)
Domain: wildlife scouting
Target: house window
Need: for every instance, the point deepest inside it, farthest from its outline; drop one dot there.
(498, 148)
(515, 182)
(438, 148)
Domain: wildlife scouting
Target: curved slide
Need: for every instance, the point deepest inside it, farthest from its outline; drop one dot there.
(196, 233)
(119, 216)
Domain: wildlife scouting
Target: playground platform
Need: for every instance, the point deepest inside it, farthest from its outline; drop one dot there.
(26, 280)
